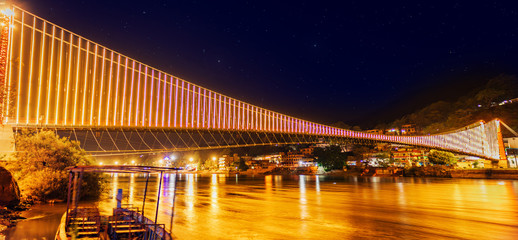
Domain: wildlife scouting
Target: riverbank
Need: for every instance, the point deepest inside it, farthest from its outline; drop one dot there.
(485, 173)
(427, 171)
(8, 219)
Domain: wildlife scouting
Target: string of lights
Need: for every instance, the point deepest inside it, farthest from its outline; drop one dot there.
(65, 80)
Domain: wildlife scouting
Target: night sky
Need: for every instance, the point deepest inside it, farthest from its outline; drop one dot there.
(361, 62)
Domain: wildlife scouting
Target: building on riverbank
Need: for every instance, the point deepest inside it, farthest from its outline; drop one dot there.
(409, 157)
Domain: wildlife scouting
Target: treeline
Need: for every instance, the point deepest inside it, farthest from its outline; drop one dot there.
(485, 103)
(39, 166)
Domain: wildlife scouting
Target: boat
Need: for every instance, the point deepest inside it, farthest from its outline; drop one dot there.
(126, 220)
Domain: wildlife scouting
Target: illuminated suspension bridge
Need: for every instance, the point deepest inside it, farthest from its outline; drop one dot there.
(53, 78)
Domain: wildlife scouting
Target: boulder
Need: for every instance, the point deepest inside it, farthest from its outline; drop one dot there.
(9, 191)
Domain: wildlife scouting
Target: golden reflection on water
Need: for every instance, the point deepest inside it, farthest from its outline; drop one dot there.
(292, 207)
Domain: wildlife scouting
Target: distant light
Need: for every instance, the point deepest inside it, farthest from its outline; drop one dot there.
(213, 158)
(190, 159)
(133, 162)
(8, 12)
(160, 161)
(116, 163)
(101, 163)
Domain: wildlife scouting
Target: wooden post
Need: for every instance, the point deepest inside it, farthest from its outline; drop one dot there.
(158, 199)
(501, 149)
(174, 202)
(145, 193)
(68, 197)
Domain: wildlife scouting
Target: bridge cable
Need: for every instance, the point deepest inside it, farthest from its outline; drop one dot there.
(169, 140)
(180, 137)
(86, 137)
(232, 136)
(157, 139)
(239, 133)
(204, 140)
(115, 144)
(75, 135)
(251, 138)
(143, 140)
(509, 128)
(140, 142)
(222, 137)
(95, 138)
(194, 141)
(215, 140)
(125, 137)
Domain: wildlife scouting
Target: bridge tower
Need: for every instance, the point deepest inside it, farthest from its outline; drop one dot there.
(502, 163)
(5, 35)
(6, 29)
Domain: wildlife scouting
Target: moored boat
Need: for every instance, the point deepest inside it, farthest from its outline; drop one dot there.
(125, 222)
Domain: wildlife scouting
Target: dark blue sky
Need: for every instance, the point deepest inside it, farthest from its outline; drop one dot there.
(360, 62)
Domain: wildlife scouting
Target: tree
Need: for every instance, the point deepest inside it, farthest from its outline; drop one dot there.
(330, 158)
(341, 125)
(242, 165)
(39, 166)
(442, 158)
(489, 96)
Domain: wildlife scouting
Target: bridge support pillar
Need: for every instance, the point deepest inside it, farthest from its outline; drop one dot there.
(496, 164)
(6, 139)
(502, 163)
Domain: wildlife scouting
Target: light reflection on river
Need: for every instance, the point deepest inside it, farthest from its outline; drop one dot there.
(312, 207)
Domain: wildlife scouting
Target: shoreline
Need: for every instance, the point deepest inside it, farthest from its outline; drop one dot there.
(429, 171)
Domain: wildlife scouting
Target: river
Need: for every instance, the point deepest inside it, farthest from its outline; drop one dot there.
(310, 207)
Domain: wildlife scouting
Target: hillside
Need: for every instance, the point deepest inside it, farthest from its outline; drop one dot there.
(498, 98)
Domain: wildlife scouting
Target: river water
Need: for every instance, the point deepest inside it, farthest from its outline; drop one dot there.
(310, 207)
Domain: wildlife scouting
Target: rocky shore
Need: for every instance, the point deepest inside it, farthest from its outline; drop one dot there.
(10, 207)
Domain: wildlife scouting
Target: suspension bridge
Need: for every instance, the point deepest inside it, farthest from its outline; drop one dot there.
(53, 78)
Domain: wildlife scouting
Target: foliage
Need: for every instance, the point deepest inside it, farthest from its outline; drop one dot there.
(330, 158)
(442, 158)
(210, 164)
(383, 155)
(475, 164)
(39, 166)
(242, 165)
(385, 159)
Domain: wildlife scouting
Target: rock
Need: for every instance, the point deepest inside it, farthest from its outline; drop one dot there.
(9, 191)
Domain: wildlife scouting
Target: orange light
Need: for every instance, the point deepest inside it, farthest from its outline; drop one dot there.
(50, 75)
(20, 75)
(99, 110)
(85, 88)
(93, 86)
(7, 12)
(69, 66)
(27, 117)
(76, 89)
